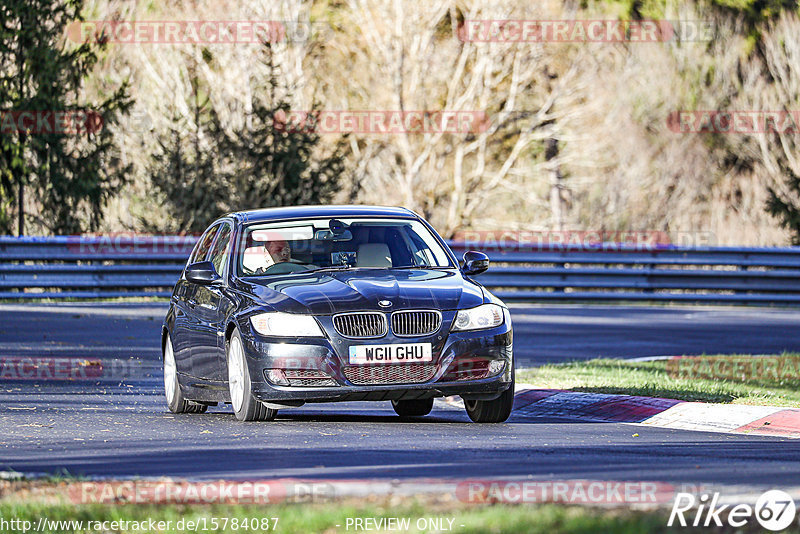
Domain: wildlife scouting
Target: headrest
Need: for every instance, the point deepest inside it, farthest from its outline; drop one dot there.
(373, 255)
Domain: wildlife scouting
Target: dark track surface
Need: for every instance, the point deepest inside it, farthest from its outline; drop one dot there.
(124, 432)
(112, 429)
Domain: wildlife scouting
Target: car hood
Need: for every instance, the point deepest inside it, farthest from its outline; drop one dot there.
(325, 293)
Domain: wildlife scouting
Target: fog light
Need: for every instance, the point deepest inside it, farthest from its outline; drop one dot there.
(277, 377)
(496, 366)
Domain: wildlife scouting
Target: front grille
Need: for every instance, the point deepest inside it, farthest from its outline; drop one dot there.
(308, 378)
(415, 323)
(361, 324)
(414, 373)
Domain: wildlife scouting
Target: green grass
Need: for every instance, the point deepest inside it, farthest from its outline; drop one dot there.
(735, 379)
(311, 518)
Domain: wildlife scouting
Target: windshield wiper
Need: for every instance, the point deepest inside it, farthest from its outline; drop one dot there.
(340, 267)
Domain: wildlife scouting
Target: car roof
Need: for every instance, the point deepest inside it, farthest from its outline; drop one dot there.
(296, 212)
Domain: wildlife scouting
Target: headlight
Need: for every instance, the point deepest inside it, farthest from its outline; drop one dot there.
(484, 316)
(285, 325)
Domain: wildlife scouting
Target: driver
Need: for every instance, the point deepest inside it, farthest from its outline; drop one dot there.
(277, 252)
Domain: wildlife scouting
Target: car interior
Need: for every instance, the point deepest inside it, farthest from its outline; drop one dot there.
(367, 245)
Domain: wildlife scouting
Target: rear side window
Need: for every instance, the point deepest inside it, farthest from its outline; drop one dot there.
(200, 252)
(220, 250)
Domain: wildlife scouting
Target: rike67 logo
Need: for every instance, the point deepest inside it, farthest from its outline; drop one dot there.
(774, 510)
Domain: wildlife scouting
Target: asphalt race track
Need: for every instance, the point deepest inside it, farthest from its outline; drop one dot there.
(119, 426)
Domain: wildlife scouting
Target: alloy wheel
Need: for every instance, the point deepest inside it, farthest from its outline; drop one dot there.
(236, 379)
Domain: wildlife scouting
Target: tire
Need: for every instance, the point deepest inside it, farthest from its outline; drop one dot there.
(172, 388)
(245, 406)
(493, 411)
(413, 408)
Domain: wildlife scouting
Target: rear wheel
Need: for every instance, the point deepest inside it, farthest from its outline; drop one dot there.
(493, 411)
(413, 408)
(172, 389)
(245, 405)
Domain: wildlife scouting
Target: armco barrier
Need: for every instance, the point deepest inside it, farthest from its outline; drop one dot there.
(89, 267)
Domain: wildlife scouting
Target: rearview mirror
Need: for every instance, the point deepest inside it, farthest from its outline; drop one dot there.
(328, 235)
(475, 263)
(202, 273)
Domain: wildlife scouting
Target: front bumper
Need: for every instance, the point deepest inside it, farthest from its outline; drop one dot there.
(452, 354)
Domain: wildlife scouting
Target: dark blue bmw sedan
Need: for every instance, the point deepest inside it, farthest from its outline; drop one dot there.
(279, 307)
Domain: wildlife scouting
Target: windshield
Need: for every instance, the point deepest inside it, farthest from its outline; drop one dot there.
(302, 246)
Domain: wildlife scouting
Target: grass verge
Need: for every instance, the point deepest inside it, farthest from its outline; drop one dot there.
(333, 518)
(736, 379)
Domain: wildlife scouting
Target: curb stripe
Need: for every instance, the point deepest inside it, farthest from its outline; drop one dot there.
(659, 412)
(782, 423)
(709, 417)
(632, 409)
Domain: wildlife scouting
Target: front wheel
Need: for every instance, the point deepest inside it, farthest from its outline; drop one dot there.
(245, 405)
(172, 389)
(493, 411)
(413, 408)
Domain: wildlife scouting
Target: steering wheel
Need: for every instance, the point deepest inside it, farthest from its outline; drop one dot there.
(285, 267)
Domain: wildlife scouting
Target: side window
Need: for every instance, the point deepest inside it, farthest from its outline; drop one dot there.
(200, 252)
(220, 250)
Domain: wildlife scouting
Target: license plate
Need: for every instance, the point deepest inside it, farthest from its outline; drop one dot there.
(396, 353)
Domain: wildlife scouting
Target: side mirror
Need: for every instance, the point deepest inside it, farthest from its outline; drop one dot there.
(202, 273)
(475, 263)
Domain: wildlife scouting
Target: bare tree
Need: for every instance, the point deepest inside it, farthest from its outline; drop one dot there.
(410, 57)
